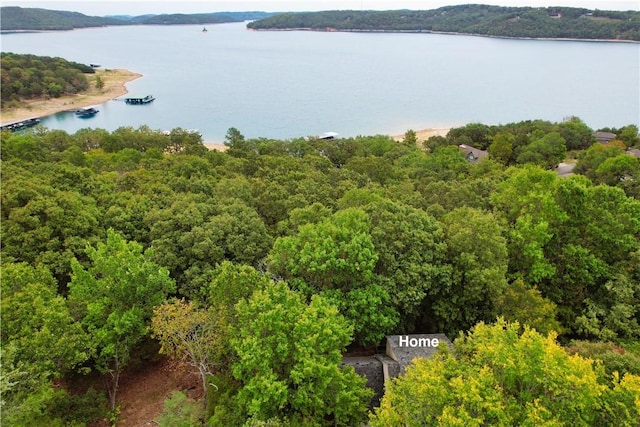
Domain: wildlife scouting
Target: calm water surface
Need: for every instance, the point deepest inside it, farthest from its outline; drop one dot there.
(290, 84)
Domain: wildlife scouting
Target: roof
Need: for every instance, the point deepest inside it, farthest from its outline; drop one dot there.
(471, 153)
(605, 136)
(404, 348)
(327, 135)
(633, 152)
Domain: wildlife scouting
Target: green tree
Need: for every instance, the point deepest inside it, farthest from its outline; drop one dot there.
(477, 252)
(41, 342)
(289, 360)
(238, 145)
(99, 83)
(411, 252)
(576, 133)
(43, 225)
(180, 411)
(528, 307)
(502, 377)
(546, 151)
(525, 200)
(410, 138)
(336, 258)
(589, 162)
(114, 299)
(55, 90)
(614, 170)
(501, 148)
(630, 135)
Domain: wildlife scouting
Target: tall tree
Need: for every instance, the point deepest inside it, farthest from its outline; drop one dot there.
(411, 252)
(114, 299)
(336, 258)
(289, 360)
(477, 253)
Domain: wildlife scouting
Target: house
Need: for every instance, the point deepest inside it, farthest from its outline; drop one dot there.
(472, 154)
(633, 152)
(400, 352)
(605, 137)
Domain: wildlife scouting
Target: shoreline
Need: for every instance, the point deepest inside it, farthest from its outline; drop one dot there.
(115, 81)
(446, 33)
(421, 136)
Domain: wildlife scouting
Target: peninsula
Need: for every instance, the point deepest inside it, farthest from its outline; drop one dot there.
(471, 19)
(113, 86)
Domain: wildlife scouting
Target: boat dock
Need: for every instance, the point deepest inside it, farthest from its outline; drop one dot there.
(23, 124)
(137, 100)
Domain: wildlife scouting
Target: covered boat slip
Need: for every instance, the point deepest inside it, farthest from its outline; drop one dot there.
(136, 100)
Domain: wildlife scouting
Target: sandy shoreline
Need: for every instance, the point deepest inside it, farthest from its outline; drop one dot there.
(421, 135)
(114, 87)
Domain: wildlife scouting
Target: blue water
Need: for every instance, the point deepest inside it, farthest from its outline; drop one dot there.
(290, 84)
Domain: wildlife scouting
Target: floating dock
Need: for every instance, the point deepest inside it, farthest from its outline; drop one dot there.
(137, 100)
(13, 127)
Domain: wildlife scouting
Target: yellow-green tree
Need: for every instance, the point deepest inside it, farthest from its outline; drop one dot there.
(190, 334)
(502, 377)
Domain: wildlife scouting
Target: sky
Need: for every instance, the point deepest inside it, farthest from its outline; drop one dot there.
(141, 7)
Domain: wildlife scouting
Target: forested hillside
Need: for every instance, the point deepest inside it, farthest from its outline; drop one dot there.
(14, 18)
(26, 76)
(552, 22)
(259, 266)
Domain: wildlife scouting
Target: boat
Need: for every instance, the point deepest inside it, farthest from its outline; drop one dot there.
(328, 135)
(85, 113)
(139, 100)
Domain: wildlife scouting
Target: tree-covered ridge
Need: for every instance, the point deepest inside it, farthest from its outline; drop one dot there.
(551, 22)
(258, 266)
(14, 18)
(25, 76)
(202, 18)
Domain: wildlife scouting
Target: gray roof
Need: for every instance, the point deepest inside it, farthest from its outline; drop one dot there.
(605, 136)
(404, 348)
(472, 153)
(633, 152)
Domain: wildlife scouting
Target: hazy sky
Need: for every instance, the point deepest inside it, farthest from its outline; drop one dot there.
(140, 7)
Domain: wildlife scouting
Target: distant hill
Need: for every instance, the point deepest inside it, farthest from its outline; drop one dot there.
(14, 18)
(203, 18)
(548, 22)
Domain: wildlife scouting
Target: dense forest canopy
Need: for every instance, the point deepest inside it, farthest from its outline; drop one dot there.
(550, 22)
(14, 18)
(25, 76)
(113, 242)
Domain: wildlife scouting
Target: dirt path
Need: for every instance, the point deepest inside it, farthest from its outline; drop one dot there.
(142, 393)
(114, 86)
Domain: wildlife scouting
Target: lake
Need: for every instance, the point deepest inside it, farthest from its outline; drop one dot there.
(287, 84)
